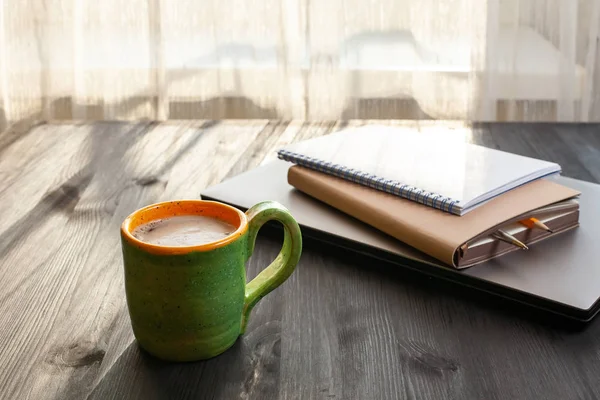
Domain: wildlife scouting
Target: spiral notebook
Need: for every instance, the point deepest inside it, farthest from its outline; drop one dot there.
(435, 170)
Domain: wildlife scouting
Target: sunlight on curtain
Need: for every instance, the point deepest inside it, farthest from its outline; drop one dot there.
(526, 60)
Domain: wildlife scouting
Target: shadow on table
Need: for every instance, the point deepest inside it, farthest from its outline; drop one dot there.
(138, 375)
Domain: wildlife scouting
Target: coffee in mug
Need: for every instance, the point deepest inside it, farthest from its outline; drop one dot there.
(183, 230)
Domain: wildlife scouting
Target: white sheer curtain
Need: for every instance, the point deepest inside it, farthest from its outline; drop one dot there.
(525, 60)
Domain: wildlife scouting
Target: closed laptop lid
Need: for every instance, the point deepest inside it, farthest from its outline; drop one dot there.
(561, 274)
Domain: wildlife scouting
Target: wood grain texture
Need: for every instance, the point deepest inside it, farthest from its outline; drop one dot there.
(340, 328)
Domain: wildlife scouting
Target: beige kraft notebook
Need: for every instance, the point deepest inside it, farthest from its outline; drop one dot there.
(440, 234)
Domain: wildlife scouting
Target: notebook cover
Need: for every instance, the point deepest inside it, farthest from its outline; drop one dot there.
(435, 170)
(431, 231)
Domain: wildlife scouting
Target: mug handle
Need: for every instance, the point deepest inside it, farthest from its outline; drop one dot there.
(285, 263)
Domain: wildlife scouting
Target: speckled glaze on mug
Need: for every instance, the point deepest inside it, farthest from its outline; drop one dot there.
(192, 303)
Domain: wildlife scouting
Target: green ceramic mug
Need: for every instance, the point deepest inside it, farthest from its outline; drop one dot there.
(192, 303)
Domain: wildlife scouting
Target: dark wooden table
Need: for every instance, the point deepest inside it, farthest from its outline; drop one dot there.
(340, 328)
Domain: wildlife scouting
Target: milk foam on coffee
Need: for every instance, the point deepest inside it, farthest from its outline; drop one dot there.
(184, 230)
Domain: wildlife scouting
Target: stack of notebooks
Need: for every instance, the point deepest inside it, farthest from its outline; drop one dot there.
(460, 203)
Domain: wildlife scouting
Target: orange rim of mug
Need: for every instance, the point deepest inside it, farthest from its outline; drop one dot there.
(184, 207)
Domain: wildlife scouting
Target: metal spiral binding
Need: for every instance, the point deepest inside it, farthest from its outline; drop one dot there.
(390, 186)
